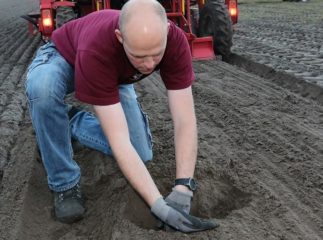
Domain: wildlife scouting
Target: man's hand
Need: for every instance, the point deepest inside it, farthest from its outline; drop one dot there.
(180, 220)
(181, 200)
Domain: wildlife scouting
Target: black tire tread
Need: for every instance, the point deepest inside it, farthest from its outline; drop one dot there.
(222, 26)
(64, 15)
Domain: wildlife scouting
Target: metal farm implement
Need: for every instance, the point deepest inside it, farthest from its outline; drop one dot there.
(208, 24)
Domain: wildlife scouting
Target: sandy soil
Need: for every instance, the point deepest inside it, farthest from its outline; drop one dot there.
(259, 163)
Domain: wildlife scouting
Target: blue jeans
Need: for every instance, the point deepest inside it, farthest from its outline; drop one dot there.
(49, 79)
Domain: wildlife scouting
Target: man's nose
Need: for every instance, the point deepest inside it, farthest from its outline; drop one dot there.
(149, 63)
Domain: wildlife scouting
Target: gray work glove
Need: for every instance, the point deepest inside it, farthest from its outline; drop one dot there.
(180, 220)
(180, 200)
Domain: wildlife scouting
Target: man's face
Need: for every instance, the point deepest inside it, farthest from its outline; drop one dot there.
(144, 46)
(145, 59)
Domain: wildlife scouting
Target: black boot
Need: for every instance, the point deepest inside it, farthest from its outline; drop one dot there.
(69, 205)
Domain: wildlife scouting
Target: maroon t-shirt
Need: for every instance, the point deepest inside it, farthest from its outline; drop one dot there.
(90, 45)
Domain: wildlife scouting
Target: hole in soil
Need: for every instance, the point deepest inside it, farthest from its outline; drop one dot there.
(218, 198)
(139, 213)
(215, 198)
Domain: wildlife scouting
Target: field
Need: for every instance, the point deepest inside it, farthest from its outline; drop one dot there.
(260, 121)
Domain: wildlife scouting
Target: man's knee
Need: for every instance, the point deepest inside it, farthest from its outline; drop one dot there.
(42, 86)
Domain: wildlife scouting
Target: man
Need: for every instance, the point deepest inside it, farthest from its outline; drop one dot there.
(100, 56)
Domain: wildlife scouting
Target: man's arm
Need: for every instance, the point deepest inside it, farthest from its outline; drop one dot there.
(182, 110)
(114, 125)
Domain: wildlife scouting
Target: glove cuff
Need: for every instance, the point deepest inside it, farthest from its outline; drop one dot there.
(160, 208)
(181, 193)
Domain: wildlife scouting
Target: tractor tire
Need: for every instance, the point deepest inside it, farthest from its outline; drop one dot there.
(215, 21)
(64, 15)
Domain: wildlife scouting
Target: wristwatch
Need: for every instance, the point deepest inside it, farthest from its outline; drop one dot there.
(188, 182)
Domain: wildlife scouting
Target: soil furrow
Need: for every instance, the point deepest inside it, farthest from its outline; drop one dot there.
(267, 35)
(248, 81)
(16, 57)
(13, 101)
(291, 195)
(272, 58)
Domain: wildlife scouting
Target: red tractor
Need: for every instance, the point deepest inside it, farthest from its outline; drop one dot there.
(206, 23)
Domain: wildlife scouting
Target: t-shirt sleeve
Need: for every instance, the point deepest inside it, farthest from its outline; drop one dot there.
(176, 67)
(95, 79)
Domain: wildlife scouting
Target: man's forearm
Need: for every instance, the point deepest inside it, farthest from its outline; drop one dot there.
(185, 148)
(136, 172)
(182, 109)
(114, 125)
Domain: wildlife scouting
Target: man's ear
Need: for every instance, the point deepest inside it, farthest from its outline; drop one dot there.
(118, 35)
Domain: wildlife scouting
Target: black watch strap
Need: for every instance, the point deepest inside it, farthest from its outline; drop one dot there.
(188, 182)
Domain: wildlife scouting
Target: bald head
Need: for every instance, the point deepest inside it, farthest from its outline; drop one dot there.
(143, 29)
(143, 17)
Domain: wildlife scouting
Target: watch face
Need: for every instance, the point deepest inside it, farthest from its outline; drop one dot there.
(192, 184)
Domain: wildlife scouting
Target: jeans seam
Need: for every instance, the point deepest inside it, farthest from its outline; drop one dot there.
(147, 128)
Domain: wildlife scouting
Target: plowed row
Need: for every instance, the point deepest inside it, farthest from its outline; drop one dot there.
(286, 36)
